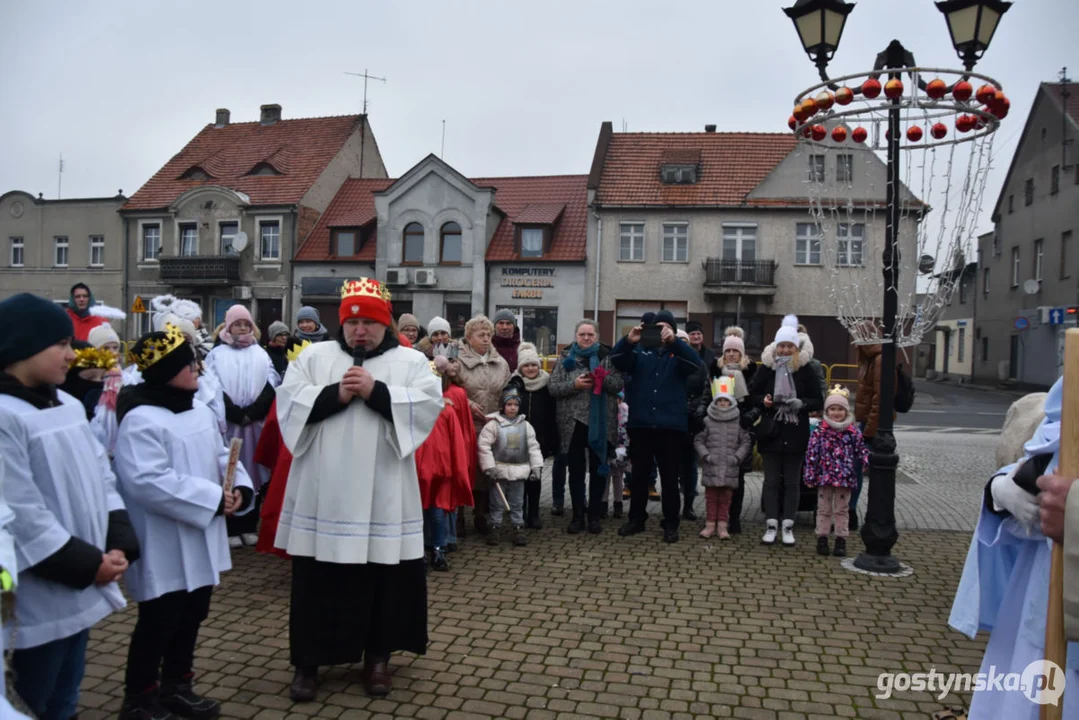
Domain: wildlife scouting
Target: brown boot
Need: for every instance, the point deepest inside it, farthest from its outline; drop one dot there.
(376, 677)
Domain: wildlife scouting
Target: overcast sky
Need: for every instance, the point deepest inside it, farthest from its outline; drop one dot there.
(119, 87)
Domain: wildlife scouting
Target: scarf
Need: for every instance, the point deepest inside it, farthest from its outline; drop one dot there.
(507, 347)
(75, 309)
(171, 398)
(740, 389)
(317, 336)
(42, 397)
(114, 381)
(721, 414)
(537, 383)
(784, 391)
(597, 408)
(237, 341)
(841, 425)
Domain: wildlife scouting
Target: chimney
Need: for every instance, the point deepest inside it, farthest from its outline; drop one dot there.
(709, 128)
(222, 117)
(270, 114)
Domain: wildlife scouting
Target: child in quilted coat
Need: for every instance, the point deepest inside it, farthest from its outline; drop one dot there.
(835, 450)
(722, 447)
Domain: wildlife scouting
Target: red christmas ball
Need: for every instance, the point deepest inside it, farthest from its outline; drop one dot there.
(939, 130)
(962, 91)
(985, 94)
(799, 114)
(819, 132)
(1003, 111)
(964, 123)
(807, 131)
(859, 135)
(871, 88)
(893, 88)
(914, 133)
(825, 100)
(936, 89)
(839, 134)
(792, 122)
(809, 107)
(844, 96)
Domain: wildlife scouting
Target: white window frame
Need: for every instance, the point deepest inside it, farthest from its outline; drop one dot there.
(180, 227)
(844, 162)
(628, 230)
(61, 242)
(97, 242)
(675, 232)
(143, 323)
(844, 245)
(737, 233)
(1015, 266)
(1039, 256)
(143, 225)
(266, 220)
(219, 237)
(804, 241)
(817, 171)
(16, 242)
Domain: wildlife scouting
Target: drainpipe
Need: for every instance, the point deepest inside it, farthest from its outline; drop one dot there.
(127, 268)
(286, 311)
(599, 246)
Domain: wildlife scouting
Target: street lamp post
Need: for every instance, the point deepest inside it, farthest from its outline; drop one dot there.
(820, 26)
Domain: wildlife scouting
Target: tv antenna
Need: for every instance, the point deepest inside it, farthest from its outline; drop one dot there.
(1065, 93)
(363, 118)
(442, 152)
(60, 177)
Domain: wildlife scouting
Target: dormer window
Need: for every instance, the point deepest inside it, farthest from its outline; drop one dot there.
(264, 168)
(195, 173)
(532, 242)
(675, 174)
(346, 242)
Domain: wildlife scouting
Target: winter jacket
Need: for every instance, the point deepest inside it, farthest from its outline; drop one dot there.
(657, 396)
(781, 437)
(483, 377)
(84, 324)
(834, 456)
(573, 405)
(538, 405)
(722, 447)
(507, 347)
(508, 449)
(867, 404)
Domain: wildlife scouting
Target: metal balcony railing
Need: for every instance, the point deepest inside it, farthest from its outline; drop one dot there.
(204, 269)
(757, 273)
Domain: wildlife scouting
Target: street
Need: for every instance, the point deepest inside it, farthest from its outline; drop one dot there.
(954, 407)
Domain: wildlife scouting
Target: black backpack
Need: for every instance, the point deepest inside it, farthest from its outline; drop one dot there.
(904, 389)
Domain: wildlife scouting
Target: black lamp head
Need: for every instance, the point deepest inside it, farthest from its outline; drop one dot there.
(820, 26)
(972, 24)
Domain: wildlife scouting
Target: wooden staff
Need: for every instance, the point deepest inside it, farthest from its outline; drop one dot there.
(1056, 648)
(502, 495)
(234, 459)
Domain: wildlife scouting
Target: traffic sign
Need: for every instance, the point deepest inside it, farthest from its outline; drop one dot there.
(1056, 316)
(1021, 323)
(137, 306)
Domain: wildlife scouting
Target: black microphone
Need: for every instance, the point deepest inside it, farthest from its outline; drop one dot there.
(358, 354)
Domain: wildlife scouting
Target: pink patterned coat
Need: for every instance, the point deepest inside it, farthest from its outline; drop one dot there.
(833, 456)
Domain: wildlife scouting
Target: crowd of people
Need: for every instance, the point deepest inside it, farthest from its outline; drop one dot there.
(360, 455)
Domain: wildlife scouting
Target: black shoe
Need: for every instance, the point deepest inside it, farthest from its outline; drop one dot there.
(482, 526)
(304, 685)
(179, 699)
(617, 514)
(670, 535)
(594, 527)
(576, 525)
(492, 537)
(519, 537)
(603, 512)
(822, 545)
(631, 528)
(534, 523)
(557, 511)
(451, 547)
(438, 560)
(840, 547)
(735, 528)
(144, 706)
(688, 514)
(853, 521)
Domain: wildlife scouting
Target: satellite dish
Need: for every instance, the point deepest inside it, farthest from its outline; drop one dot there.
(1031, 287)
(239, 242)
(926, 264)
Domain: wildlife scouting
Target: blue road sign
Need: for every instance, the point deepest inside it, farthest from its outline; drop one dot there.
(1021, 323)
(1056, 316)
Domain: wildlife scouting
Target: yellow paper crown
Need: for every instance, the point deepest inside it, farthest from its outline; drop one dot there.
(154, 350)
(841, 391)
(296, 350)
(365, 287)
(723, 385)
(88, 358)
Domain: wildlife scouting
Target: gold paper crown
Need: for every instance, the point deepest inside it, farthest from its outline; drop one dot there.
(723, 385)
(296, 350)
(841, 391)
(365, 287)
(88, 358)
(154, 350)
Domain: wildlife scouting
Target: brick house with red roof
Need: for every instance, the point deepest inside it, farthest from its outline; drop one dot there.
(452, 246)
(716, 228)
(270, 180)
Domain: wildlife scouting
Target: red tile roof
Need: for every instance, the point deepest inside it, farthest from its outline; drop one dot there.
(731, 166)
(299, 149)
(561, 200)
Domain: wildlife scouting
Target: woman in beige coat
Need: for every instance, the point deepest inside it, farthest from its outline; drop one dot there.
(483, 374)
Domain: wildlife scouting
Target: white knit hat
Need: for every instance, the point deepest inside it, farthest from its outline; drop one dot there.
(527, 355)
(788, 331)
(184, 326)
(438, 324)
(102, 335)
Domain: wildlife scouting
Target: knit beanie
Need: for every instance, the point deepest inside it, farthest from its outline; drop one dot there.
(788, 331)
(527, 355)
(438, 324)
(235, 314)
(837, 396)
(407, 320)
(649, 318)
(102, 335)
(505, 314)
(665, 316)
(733, 342)
(277, 328)
(31, 324)
(308, 313)
(693, 326)
(160, 356)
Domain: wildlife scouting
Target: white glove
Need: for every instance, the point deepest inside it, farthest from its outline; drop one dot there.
(1009, 496)
(620, 453)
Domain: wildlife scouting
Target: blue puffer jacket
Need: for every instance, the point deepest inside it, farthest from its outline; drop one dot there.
(657, 396)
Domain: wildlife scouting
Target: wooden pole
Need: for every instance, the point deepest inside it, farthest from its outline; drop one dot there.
(234, 459)
(502, 495)
(1056, 648)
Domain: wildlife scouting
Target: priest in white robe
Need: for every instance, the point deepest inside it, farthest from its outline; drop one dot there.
(352, 413)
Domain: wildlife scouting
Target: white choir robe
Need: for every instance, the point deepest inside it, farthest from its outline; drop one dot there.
(242, 373)
(7, 557)
(353, 494)
(170, 468)
(59, 483)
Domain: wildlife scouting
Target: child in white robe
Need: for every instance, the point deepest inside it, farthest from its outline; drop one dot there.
(170, 463)
(73, 538)
(246, 376)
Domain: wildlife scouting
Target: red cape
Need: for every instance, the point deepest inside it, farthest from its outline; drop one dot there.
(272, 453)
(443, 461)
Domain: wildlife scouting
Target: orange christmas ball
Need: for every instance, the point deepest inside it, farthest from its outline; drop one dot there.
(825, 100)
(871, 88)
(792, 122)
(936, 89)
(962, 91)
(914, 133)
(819, 132)
(986, 94)
(809, 107)
(844, 96)
(964, 123)
(939, 130)
(839, 134)
(799, 114)
(893, 88)
(859, 135)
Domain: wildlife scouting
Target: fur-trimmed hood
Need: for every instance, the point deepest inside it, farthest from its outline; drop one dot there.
(805, 352)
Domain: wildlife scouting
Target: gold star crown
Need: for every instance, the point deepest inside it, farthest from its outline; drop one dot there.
(296, 350)
(87, 358)
(157, 348)
(841, 391)
(365, 287)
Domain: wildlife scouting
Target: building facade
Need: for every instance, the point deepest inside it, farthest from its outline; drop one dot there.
(220, 222)
(451, 246)
(1029, 266)
(49, 245)
(954, 341)
(717, 228)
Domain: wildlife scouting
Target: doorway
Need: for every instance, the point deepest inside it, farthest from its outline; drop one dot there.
(1013, 358)
(269, 313)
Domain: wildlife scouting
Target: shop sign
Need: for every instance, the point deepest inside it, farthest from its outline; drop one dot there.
(528, 283)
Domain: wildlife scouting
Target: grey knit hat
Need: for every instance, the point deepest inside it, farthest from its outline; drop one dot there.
(308, 313)
(277, 328)
(504, 314)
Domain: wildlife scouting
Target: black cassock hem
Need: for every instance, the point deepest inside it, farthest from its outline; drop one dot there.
(340, 612)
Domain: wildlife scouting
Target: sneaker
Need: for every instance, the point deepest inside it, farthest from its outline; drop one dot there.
(631, 528)
(438, 560)
(709, 530)
(519, 538)
(722, 529)
(770, 533)
(183, 702)
(235, 542)
(822, 545)
(594, 527)
(249, 539)
(670, 535)
(144, 706)
(788, 533)
(840, 547)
